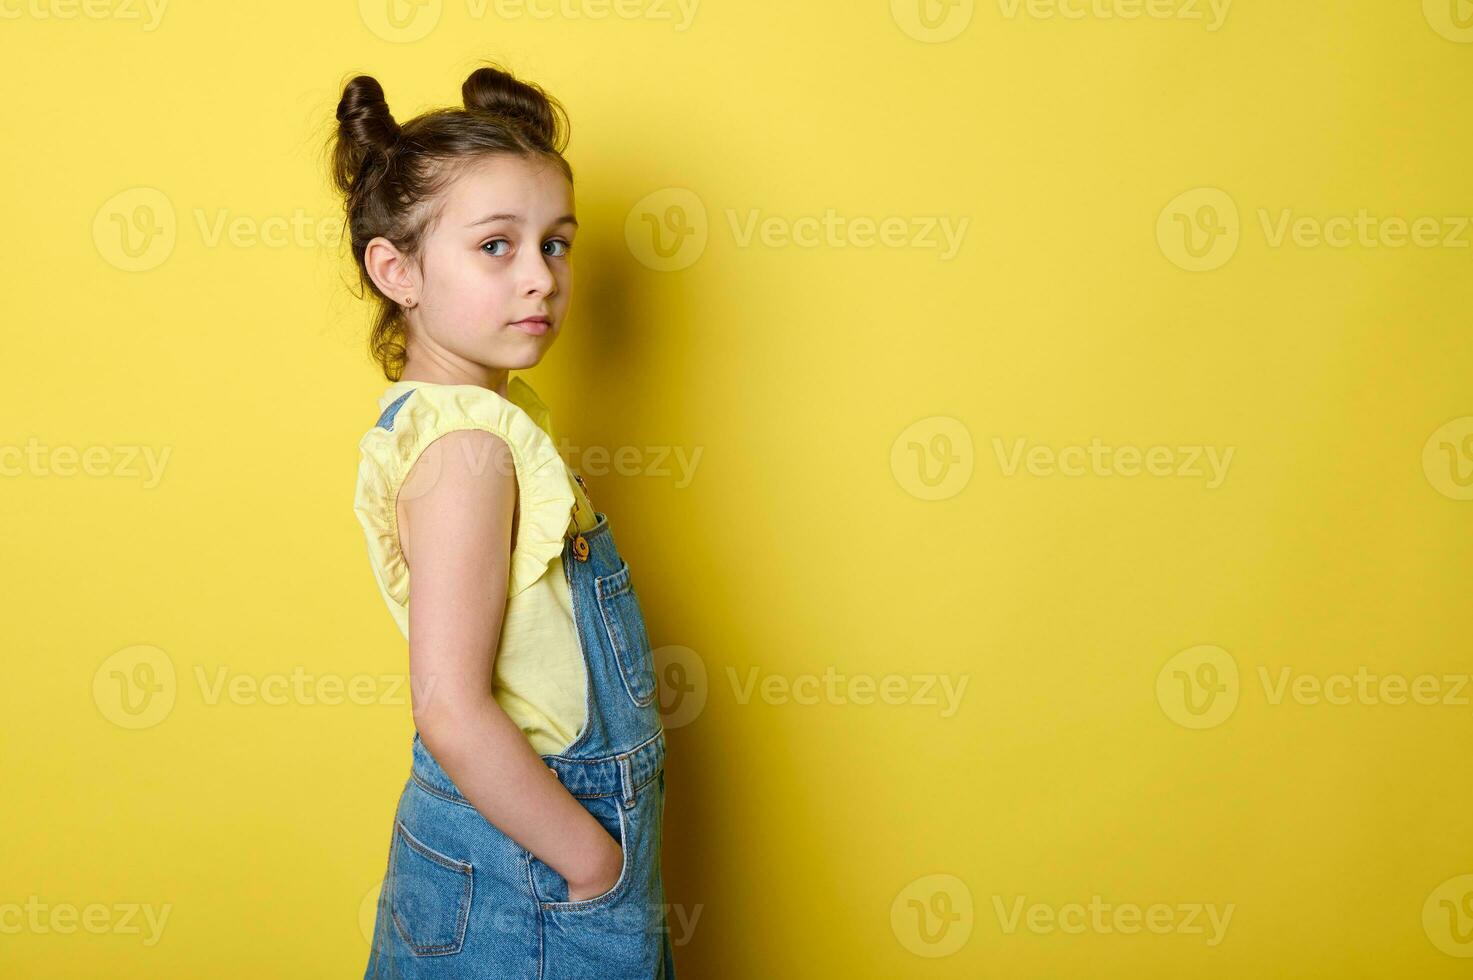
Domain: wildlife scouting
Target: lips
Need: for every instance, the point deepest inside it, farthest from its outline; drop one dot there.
(536, 325)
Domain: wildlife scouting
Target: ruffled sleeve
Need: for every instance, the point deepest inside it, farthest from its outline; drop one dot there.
(388, 451)
(525, 397)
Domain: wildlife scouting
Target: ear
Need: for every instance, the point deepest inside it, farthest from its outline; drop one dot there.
(391, 270)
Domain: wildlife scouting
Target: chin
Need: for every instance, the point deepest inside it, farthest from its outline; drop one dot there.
(525, 357)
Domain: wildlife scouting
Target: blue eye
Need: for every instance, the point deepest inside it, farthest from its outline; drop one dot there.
(496, 241)
(567, 246)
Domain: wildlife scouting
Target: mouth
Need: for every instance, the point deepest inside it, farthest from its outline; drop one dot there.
(535, 325)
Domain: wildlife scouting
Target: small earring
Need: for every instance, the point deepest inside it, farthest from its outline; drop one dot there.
(409, 301)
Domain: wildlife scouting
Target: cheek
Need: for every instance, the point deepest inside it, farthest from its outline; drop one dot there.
(471, 284)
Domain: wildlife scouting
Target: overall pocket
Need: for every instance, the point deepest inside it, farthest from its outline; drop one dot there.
(429, 895)
(623, 619)
(551, 887)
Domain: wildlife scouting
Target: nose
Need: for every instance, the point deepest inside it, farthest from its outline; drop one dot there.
(536, 274)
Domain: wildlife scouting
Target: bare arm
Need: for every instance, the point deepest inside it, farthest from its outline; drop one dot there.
(457, 510)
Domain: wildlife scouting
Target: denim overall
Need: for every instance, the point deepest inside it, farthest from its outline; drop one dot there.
(461, 899)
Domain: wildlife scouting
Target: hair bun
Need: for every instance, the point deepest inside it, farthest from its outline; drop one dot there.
(536, 114)
(366, 128)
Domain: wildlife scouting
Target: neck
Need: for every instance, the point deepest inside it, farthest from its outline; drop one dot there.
(493, 379)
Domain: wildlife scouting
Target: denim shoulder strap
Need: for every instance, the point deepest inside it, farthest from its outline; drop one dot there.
(386, 420)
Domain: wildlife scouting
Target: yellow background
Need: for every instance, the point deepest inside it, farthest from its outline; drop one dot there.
(801, 838)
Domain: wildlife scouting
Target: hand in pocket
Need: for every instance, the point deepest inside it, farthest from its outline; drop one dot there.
(600, 880)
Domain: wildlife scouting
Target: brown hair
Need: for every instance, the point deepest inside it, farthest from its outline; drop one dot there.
(390, 175)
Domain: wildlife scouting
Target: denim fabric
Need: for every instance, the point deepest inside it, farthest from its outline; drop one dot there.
(461, 899)
(386, 420)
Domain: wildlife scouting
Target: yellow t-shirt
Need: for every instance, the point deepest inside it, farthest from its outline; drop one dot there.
(539, 677)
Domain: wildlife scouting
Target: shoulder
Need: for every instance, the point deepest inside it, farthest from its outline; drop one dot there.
(422, 414)
(461, 470)
(415, 420)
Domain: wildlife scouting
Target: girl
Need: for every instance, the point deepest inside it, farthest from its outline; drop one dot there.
(526, 841)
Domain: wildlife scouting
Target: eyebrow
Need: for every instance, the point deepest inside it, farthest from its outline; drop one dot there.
(516, 219)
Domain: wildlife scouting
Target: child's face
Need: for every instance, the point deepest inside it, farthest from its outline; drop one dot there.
(481, 274)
